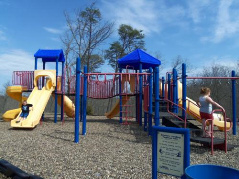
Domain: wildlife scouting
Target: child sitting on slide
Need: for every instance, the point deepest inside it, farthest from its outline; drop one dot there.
(25, 111)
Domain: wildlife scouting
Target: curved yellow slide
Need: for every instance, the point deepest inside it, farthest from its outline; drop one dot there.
(69, 106)
(193, 110)
(116, 108)
(15, 92)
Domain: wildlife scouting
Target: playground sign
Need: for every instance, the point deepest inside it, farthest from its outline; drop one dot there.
(171, 151)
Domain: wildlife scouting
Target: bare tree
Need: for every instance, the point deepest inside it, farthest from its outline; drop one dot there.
(5, 85)
(177, 64)
(88, 32)
(67, 41)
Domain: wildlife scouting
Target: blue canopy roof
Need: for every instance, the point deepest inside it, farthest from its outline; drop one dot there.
(50, 55)
(136, 57)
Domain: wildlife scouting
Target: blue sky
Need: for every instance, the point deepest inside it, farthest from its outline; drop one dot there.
(202, 31)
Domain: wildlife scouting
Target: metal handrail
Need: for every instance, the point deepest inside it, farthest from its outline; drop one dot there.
(172, 103)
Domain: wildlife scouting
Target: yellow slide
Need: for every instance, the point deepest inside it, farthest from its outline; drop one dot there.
(69, 106)
(39, 99)
(116, 108)
(193, 110)
(15, 92)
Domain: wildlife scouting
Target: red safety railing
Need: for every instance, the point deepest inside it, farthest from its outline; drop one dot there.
(23, 78)
(108, 88)
(225, 128)
(168, 109)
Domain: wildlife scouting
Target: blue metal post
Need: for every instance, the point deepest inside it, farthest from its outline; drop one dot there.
(150, 101)
(153, 80)
(234, 113)
(154, 154)
(184, 89)
(55, 115)
(62, 90)
(163, 90)
(169, 86)
(140, 94)
(120, 91)
(174, 90)
(77, 100)
(156, 117)
(35, 63)
(84, 101)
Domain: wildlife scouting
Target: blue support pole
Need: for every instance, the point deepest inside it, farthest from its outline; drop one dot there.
(234, 113)
(62, 91)
(140, 94)
(55, 115)
(35, 63)
(150, 101)
(169, 87)
(120, 91)
(154, 154)
(163, 90)
(84, 101)
(156, 117)
(174, 90)
(153, 80)
(184, 89)
(77, 100)
(44, 65)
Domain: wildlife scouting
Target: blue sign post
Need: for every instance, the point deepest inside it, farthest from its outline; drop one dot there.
(170, 151)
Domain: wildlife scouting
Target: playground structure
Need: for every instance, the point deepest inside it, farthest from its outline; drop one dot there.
(144, 87)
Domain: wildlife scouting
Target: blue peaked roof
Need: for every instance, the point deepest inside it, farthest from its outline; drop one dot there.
(136, 57)
(50, 55)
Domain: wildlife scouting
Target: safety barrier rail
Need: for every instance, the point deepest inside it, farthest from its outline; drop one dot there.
(23, 78)
(168, 109)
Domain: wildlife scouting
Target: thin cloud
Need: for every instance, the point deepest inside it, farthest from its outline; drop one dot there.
(225, 27)
(52, 30)
(147, 15)
(16, 59)
(195, 9)
(140, 14)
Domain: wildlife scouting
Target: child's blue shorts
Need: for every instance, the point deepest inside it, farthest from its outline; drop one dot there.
(24, 115)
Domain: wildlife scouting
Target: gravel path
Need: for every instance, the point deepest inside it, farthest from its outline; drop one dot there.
(109, 150)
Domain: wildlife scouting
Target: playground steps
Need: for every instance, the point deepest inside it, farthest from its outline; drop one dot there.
(162, 106)
(195, 132)
(171, 121)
